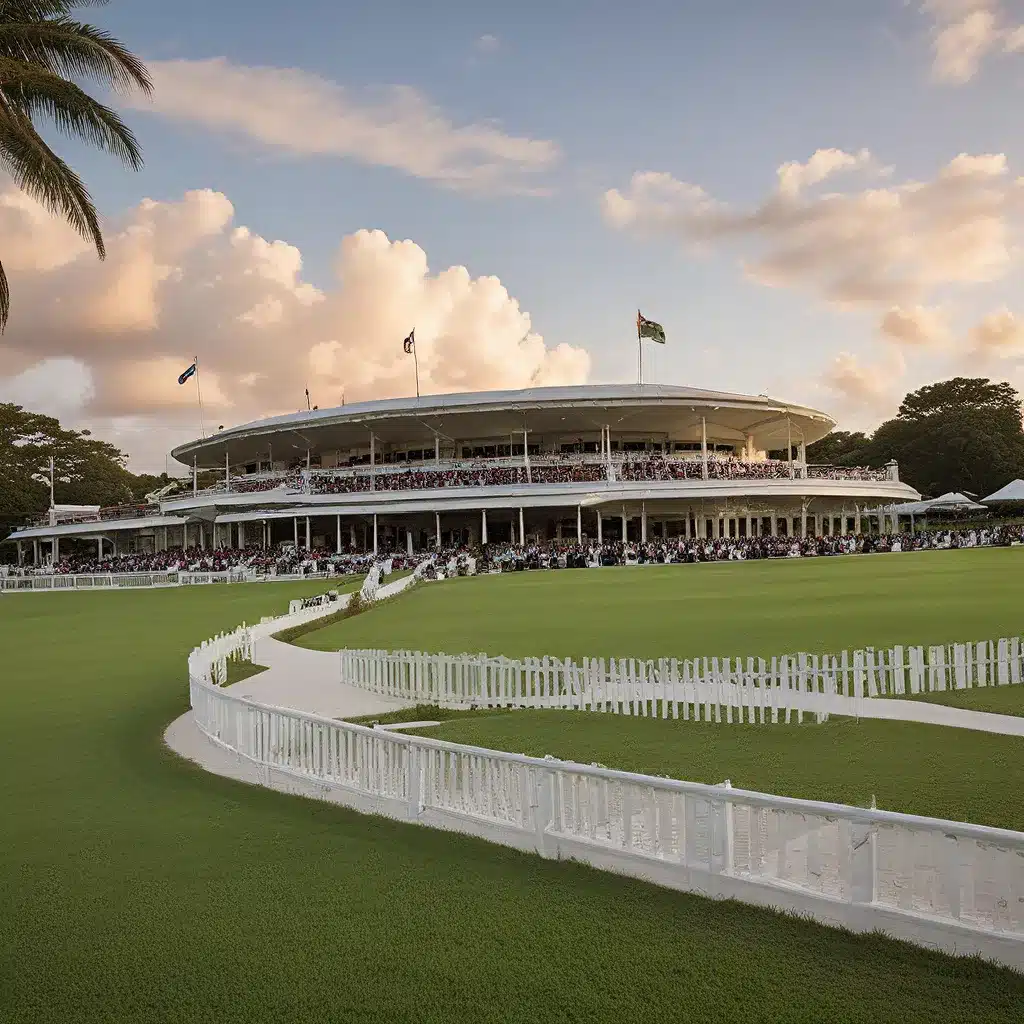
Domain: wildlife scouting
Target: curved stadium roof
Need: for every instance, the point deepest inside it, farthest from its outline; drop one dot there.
(627, 408)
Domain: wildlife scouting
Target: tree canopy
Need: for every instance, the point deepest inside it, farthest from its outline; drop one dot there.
(86, 471)
(962, 434)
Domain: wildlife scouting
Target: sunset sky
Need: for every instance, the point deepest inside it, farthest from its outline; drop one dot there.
(820, 200)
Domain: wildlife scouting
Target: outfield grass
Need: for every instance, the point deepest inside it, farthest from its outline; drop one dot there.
(135, 887)
(999, 700)
(724, 608)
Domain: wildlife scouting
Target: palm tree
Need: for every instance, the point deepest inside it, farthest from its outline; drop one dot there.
(41, 49)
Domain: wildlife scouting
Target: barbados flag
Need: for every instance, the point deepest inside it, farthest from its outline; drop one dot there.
(188, 373)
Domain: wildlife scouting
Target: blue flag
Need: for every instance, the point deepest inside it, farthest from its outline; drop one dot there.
(188, 373)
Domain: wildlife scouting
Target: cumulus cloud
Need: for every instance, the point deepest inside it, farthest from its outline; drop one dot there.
(859, 386)
(964, 33)
(300, 113)
(869, 246)
(999, 335)
(182, 280)
(916, 326)
(486, 43)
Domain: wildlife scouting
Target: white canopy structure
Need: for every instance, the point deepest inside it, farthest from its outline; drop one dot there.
(952, 501)
(1013, 491)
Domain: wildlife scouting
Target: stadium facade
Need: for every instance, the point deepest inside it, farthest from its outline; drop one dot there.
(599, 463)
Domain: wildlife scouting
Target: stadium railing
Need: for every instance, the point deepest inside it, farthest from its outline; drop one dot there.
(941, 884)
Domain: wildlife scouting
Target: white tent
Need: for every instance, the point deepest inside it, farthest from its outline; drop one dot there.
(1013, 491)
(954, 501)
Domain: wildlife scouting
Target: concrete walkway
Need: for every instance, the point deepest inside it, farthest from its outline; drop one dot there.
(295, 678)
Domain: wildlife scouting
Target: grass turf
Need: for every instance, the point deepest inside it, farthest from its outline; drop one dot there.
(726, 608)
(135, 887)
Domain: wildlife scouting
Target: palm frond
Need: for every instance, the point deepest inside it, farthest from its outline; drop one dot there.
(32, 10)
(73, 49)
(5, 299)
(75, 113)
(37, 170)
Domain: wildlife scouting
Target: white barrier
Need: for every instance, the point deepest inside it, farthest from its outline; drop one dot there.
(705, 689)
(946, 885)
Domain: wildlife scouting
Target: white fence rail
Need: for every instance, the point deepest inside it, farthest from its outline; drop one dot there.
(948, 885)
(779, 689)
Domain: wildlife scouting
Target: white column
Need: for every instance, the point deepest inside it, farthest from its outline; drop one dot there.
(308, 538)
(750, 527)
(437, 527)
(643, 523)
(437, 448)
(352, 535)
(266, 536)
(375, 533)
(408, 540)
(817, 524)
(579, 524)
(686, 525)
(337, 531)
(373, 465)
(625, 527)
(775, 525)
(296, 523)
(56, 548)
(241, 534)
(526, 456)
(20, 553)
(35, 551)
(803, 521)
(99, 548)
(856, 519)
(522, 529)
(227, 471)
(704, 447)
(600, 532)
(483, 526)
(802, 455)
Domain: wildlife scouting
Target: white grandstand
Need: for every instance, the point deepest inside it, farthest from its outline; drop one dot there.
(598, 463)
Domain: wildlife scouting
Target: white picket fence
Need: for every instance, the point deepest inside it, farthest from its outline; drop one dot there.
(946, 885)
(779, 689)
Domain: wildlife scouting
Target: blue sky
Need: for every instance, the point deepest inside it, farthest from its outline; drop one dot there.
(716, 95)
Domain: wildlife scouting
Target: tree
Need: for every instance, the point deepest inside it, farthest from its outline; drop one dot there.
(840, 448)
(41, 49)
(86, 471)
(955, 435)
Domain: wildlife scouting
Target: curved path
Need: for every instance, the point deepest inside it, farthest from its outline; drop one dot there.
(295, 678)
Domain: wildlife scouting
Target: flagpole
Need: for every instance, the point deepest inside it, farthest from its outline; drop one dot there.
(416, 367)
(639, 349)
(199, 393)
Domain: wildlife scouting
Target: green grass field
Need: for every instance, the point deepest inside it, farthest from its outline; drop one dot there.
(732, 608)
(135, 887)
(956, 774)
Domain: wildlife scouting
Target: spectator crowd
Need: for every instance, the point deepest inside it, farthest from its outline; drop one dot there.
(288, 560)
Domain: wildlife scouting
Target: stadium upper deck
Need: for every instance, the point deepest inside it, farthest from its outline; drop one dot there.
(606, 460)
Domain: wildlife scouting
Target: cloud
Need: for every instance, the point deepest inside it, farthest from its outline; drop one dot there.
(876, 246)
(865, 387)
(916, 326)
(299, 113)
(999, 335)
(182, 280)
(486, 43)
(964, 33)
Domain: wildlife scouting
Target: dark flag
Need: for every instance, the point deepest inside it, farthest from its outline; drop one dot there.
(410, 343)
(649, 329)
(188, 373)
